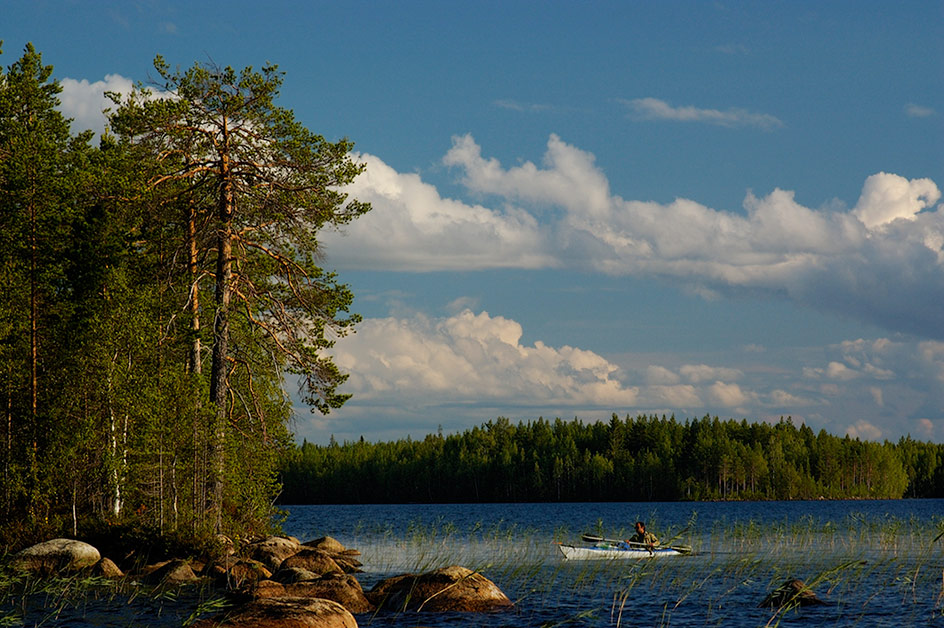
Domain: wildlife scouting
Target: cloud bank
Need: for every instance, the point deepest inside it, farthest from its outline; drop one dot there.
(880, 262)
(466, 368)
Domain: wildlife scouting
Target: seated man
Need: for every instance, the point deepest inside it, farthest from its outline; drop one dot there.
(642, 537)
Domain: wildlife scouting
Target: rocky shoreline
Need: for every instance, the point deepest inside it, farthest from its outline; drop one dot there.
(279, 581)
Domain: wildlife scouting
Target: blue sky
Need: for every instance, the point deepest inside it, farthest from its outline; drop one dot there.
(583, 208)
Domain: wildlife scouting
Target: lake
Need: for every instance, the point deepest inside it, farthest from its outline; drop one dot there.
(875, 563)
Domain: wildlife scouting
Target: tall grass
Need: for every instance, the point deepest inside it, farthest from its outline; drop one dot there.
(869, 570)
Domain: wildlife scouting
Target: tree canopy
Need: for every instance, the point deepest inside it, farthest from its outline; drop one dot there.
(642, 458)
(158, 288)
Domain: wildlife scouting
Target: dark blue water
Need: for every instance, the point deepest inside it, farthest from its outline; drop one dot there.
(875, 563)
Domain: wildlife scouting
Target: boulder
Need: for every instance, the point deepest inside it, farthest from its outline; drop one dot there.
(347, 563)
(314, 560)
(452, 588)
(344, 557)
(289, 575)
(792, 592)
(327, 544)
(273, 550)
(56, 556)
(342, 588)
(106, 568)
(232, 572)
(284, 613)
(169, 573)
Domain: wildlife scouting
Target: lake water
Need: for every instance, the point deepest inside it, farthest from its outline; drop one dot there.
(875, 563)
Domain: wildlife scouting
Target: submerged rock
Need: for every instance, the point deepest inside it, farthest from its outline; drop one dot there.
(451, 588)
(284, 613)
(57, 555)
(792, 592)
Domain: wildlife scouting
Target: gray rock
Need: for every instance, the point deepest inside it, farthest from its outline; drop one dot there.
(55, 556)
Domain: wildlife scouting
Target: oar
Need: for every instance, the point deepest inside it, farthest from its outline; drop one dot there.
(591, 538)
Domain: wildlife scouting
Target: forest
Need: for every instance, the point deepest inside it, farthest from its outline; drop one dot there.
(158, 283)
(641, 458)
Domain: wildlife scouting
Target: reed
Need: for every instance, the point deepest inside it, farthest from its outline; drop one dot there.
(859, 565)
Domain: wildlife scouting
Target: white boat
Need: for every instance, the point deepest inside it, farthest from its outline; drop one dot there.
(612, 551)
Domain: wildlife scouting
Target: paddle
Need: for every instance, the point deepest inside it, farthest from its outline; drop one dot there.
(591, 538)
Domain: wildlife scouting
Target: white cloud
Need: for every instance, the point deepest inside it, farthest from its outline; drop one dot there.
(655, 109)
(727, 395)
(881, 262)
(887, 197)
(864, 430)
(84, 102)
(411, 227)
(472, 359)
(918, 111)
(925, 428)
(461, 370)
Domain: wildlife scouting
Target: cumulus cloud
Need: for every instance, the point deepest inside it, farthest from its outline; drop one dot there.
(469, 367)
(887, 197)
(466, 368)
(864, 430)
(412, 227)
(882, 262)
(474, 358)
(655, 109)
(84, 102)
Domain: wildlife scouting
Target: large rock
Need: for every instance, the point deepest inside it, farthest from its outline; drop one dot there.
(312, 559)
(169, 573)
(342, 556)
(284, 613)
(273, 550)
(291, 575)
(232, 572)
(57, 555)
(792, 592)
(342, 588)
(106, 568)
(328, 544)
(452, 588)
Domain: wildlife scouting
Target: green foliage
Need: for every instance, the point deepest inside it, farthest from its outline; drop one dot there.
(107, 266)
(632, 459)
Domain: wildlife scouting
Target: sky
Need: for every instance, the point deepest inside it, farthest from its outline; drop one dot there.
(587, 208)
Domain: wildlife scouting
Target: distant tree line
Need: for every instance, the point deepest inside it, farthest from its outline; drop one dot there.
(155, 286)
(638, 458)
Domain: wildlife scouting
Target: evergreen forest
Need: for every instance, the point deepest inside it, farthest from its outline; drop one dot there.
(642, 458)
(158, 282)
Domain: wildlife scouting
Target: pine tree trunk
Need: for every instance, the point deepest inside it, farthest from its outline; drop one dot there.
(219, 388)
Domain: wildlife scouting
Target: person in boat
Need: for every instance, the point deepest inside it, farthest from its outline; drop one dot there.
(642, 537)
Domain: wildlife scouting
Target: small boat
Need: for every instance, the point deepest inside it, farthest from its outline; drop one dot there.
(615, 551)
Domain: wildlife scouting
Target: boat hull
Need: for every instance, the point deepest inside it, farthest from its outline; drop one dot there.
(572, 552)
